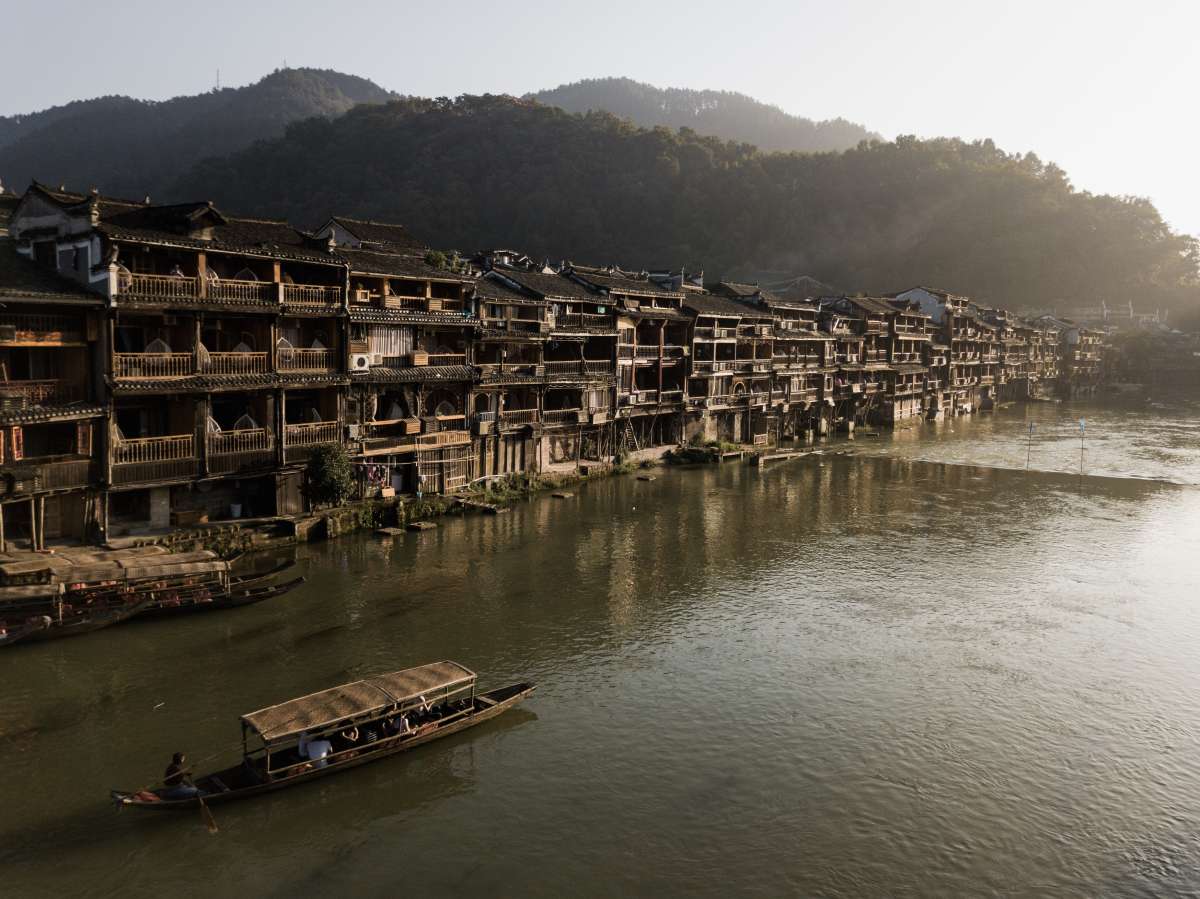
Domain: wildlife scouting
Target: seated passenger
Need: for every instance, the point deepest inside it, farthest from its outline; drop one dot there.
(177, 780)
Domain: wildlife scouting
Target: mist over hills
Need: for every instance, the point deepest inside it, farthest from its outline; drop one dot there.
(723, 114)
(594, 187)
(488, 171)
(135, 147)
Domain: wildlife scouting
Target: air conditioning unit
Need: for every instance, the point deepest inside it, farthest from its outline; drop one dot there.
(362, 296)
(539, 371)
(377, 358)
(360, 362)
(354, 432)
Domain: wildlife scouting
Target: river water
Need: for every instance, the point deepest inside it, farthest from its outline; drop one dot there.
(906, 666)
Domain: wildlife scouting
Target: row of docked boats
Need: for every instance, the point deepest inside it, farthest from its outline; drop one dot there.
(77, 591)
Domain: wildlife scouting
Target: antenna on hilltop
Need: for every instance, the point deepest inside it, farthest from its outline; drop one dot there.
(218, 87)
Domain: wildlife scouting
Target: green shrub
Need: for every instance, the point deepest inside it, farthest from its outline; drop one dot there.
(330, 476)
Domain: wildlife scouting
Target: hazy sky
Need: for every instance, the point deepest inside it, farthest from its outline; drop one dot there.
(1106, 90)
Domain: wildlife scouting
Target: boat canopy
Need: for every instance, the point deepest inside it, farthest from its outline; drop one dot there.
(373, 694)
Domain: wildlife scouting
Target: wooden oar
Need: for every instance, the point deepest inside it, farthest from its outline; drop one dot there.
(206, 816)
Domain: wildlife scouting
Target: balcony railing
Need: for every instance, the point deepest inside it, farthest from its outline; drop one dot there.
(703, 366)
(152, 365)
(583, 320)
(147, 459)
(906, 357)
(561, 416)
(579, 368)
(756, 398)
(318, 296)
(312, 433)
(306, 360)
(27, 394)
(159, 287)
(255, 293)
(230, 451)
(447, 358)
(235, 364)
(50, 473)
(518, 417)
(23, 329)
(492, 372)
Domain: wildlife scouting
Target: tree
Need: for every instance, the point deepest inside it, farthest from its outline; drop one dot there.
(330, 475)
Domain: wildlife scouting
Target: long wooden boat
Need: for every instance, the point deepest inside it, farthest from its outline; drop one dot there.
(84, 621)
(432, 701)
(11, 634)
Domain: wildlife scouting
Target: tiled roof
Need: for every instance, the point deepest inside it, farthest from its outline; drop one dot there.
(404, 265)
(668, 314)
(39, 414)
(871, 304)
(381, 233)
(246, 236)
(419, 373)
(549, 286)
(622, 283)
(222, 383)
(491, 289)
(737, 288)
(407, 317)
(712, 304)
(21, 277)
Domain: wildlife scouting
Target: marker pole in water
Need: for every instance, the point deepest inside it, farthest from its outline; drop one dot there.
(1029, 448)
(1082, 426)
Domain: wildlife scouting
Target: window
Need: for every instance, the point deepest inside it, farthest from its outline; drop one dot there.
(45, 252)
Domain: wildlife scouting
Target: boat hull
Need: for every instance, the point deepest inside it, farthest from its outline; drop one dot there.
(488, 705)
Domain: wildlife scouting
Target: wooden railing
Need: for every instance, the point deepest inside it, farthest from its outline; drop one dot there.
(318, 295)
(230, 451)
(583, 320)
(705, 366)
(149, 459)
(579, 367)
(245, 440)
(236, 364)
(516, 417)
(152, 365)
(34, 475)
(154, 449)
(298, 359)
(670, 396)
(561, 416)
(36, 328)
(159, 287)
(24, 394)
(312, 433)
(251, 292)
(447, 358)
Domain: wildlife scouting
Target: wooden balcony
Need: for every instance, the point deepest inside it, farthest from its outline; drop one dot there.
(235, 363)
(703, 366)
(496, 372)
(556, 417)
(312, 433)
(148, 459)
(247, 293)
(318, 298)
(301, 439)
(578, 368)
(30, 394)
(314, 360)
(516, 418)
(232, 451)
(584, 321)
(165, 288)
(41, 329)
(50, 473)
(153, 365)
(447, 358)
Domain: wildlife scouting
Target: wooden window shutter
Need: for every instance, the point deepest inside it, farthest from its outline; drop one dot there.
(83, 438)
(18, 443)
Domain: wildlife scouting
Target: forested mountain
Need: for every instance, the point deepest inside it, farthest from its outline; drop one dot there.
(721, 114)
(133, 147)
(496, 171)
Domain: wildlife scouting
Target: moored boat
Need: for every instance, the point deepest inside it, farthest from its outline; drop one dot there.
(339, 728)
